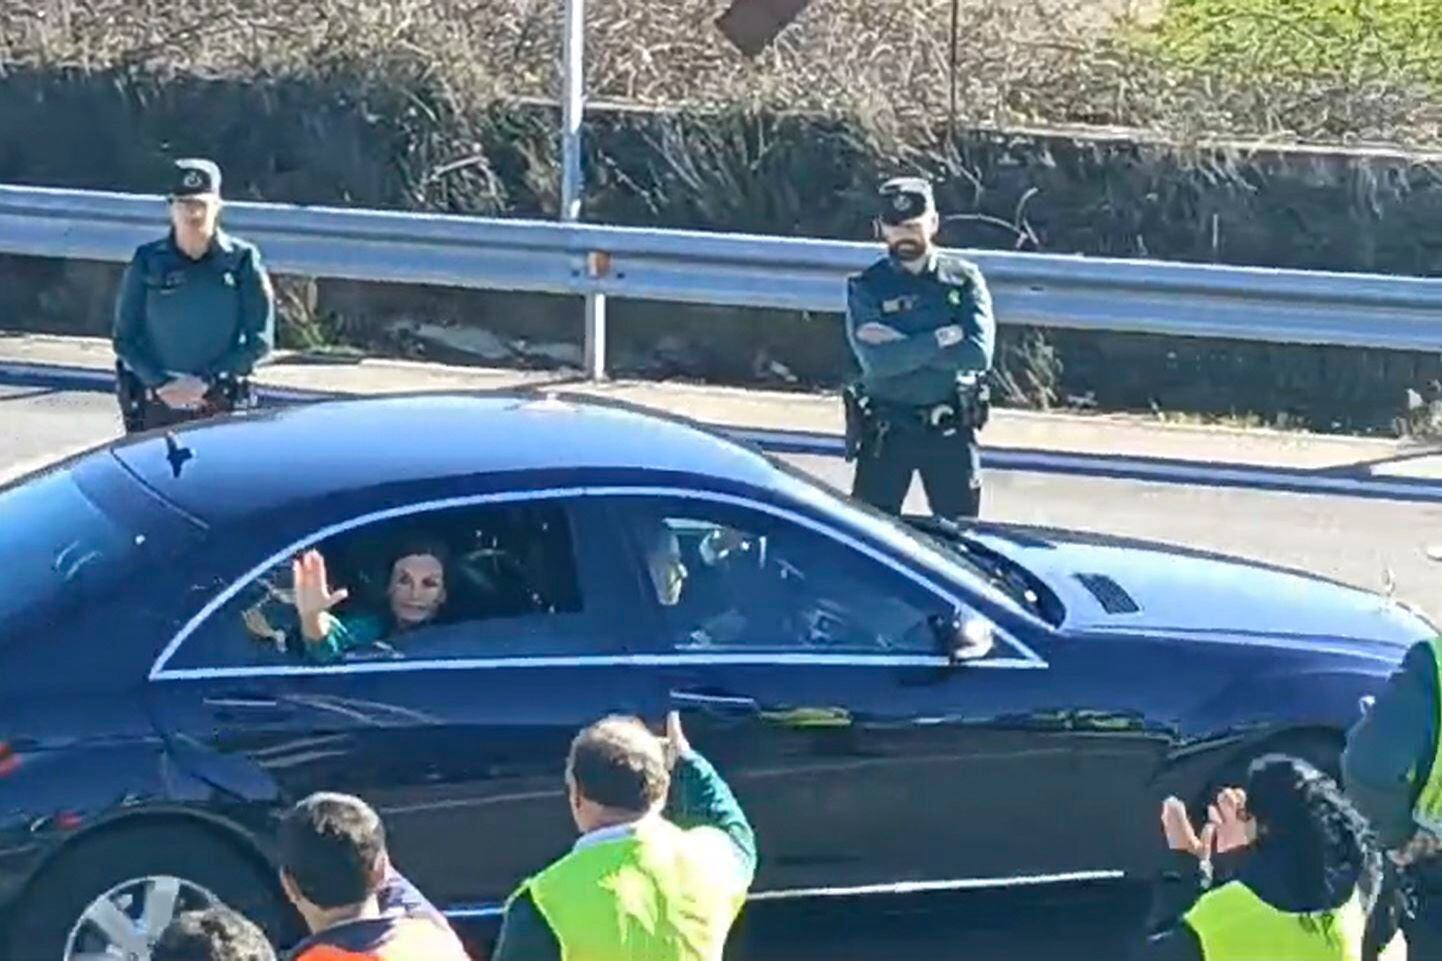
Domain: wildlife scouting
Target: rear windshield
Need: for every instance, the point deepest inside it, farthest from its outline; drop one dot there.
(53, 539)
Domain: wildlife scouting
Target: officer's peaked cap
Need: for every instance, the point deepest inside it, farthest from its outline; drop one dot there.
(194, 177)
(904, 198)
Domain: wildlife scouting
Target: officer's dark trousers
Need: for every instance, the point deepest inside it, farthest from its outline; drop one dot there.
(949, 466)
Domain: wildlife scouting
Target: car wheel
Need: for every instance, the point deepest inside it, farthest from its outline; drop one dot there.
(112, 896)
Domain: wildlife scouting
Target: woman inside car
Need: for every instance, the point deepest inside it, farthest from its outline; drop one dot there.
(415, 595)
(1285, 869)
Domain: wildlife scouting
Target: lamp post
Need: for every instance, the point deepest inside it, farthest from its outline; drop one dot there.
(573, 106)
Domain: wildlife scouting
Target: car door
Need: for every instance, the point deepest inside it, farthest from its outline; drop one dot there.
(862, 754)
(458, 733)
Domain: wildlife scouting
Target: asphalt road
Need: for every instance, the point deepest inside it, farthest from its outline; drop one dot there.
(1351, 539)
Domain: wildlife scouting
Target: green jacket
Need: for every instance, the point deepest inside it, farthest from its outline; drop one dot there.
(699, 796)
(1391, 748)
(205, 317)
(346, 633)
(916, 371)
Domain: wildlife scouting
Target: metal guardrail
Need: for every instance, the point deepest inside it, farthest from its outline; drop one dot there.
(1142, 296)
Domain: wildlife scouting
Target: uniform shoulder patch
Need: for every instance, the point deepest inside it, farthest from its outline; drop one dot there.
(952, 269)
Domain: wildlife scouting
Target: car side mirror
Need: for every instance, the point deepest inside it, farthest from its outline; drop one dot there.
(963, 637)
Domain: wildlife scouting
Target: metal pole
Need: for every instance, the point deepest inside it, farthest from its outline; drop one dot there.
(573, 79)
(573, 107)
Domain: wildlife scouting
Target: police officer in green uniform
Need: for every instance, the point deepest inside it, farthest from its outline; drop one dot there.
(919, 322)
(1392, 773)
(196, 313)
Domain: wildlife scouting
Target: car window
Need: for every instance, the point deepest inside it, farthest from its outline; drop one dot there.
(726, 578)
(491, 580)
(55, 542)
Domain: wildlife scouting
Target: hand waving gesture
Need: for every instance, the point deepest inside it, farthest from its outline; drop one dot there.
(313, 596)
(1181, 836)
(1235, 828)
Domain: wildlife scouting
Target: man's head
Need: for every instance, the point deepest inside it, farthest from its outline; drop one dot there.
(195, 199)
(906, 217)
(617, 772)
(332, 855)
(663, 562)
(215, 934)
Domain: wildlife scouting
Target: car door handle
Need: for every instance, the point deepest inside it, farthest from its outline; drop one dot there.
(716, 703)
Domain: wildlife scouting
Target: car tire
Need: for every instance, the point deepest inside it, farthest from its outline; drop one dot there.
(50, 909)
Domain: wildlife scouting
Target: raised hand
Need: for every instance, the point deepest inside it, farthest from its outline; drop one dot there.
(1235, 828)
(675, 736)
(1180, 835)
(313, 596)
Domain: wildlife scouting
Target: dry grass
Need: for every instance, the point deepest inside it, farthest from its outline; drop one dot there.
(1020, 62)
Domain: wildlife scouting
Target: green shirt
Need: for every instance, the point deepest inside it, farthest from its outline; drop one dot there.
(345, 633)
(916, 370)
(699, 797)
(205, 317)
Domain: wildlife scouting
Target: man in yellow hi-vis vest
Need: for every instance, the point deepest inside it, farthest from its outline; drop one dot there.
(638, 886)
(1390, 772)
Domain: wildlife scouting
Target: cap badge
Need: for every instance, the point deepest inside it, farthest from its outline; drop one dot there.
(193, 179)
(902, 202)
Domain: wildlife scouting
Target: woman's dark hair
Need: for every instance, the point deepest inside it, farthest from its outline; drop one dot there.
(1321, 844)
(417, 545)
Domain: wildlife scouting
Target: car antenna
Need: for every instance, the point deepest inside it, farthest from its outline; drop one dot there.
(176, 453)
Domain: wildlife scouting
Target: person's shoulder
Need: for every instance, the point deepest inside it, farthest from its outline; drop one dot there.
(238, 247)
(954, 269)
(875, 272)
(362, 626)
(152, 249)
(1421, 661)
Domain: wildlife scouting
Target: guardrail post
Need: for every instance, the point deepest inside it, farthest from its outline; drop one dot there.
(598, 265)
(596, 336)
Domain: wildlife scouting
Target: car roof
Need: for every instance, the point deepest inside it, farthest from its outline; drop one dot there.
(231, 467)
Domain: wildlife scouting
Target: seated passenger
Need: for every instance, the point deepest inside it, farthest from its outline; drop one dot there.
(700, 616)
(415, 595)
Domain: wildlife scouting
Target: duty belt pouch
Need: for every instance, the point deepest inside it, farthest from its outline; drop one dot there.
(973, 400)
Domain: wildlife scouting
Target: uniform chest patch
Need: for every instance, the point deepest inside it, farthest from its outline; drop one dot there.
(229, 279)
(897, 305)
(954, 298)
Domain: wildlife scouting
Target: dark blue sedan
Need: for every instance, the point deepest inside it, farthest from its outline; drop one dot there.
(900, 706)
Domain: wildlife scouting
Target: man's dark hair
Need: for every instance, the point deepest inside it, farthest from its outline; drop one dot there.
(332, 846)
(618, 763)
(214, 934)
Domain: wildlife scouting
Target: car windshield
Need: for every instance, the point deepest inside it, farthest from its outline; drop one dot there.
(55, 537)
(944, 543)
